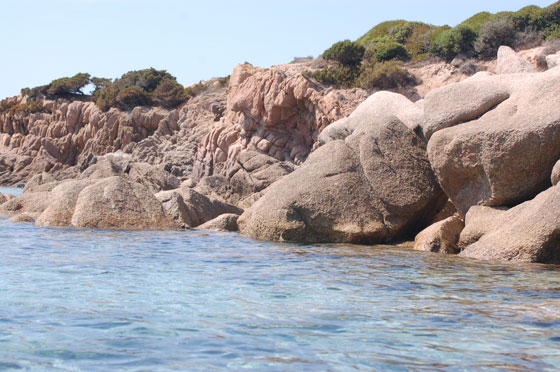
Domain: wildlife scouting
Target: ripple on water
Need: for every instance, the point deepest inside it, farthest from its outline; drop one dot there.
(115, 300)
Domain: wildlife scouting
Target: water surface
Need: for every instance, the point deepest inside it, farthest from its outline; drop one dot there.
(81, 300)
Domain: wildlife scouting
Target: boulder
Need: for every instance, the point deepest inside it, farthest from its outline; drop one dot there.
(24, 217)
(553, 60)
(35, 202)
(372, 187)
(63, 202)
(510, 63)
(380, 104)
(154, 178)
(105, 167)
(485, 161)
(224, 222)
(3, 199)
(189, 208)
(529, 232)
(555, 175)
(117, 203)
(442, 237)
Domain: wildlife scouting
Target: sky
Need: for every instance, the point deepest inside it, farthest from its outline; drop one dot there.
(194, 40)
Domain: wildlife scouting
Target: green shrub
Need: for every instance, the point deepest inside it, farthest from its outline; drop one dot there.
(169, 94)
(68, 86)
(552, 32)
(386, 49)
(346, 53)
(448, 43)
(194, 90)
(493, 34)
(132, 96)
(385, 75)
(381, 30)
(531, 17)
(339, 76)
(140, 88)
(476, 21)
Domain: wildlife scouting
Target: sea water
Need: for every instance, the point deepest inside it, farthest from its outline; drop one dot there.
(85, 300)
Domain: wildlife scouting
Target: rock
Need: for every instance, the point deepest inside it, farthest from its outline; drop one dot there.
(442, 237)
(373, 187)
(23, 217)
(117, 203)
(528, 232)
(63, 202)
(555, 176)
(380, 104)
(553, 60)
(274, 111)
(462, 102)
(3, 199)
(256, 172)
(27, 203)
(485, 161)
(105, 168)
(37, 180)
(224, 222)
(190, 208)
(201, 208)
(152, 177)
(174, 206)
(510, 63)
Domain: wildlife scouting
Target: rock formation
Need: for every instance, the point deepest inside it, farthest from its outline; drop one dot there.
(371, 187)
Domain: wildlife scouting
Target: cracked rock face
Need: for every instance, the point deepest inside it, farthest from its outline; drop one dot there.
(371, 187)
(277, 112)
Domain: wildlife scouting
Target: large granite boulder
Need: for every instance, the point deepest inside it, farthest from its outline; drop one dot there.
(372, 187)
(507, 154)
(117, 203)
(63, 202)
(529, 232)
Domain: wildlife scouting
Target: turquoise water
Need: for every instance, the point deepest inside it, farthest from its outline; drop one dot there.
(81, 300)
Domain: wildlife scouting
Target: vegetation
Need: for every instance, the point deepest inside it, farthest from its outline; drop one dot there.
(346, 53)
(66, 87)
(11, 108)
(374, 60)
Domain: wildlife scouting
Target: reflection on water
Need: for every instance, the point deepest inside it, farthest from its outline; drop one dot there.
(115, 300)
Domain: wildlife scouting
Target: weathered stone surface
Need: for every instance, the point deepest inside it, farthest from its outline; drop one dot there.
(555, 175)
(274, 111)
(190, 208)
(154, 178)
(63, 202)
(31, 203)
(485, 161)
(462, 102)
(24, 217)
(442, 237)
(370, 188)
(224, 222)
(553, 60)
(116, 203)
(380, 104)
(3, 199)
(529, 232)
(510, 63)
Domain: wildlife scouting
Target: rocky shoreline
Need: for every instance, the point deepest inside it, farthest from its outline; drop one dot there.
(468, 169)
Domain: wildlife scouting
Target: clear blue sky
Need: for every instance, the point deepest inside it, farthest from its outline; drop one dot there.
(193, 40)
